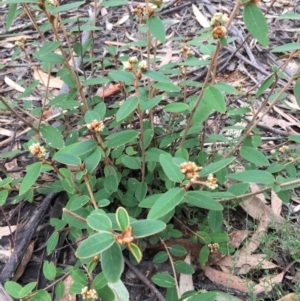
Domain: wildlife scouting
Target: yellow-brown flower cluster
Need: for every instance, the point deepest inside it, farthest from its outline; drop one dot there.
(190, 169)
(95, 126)
(37, 150)
(186, 51)
(219, 32)
(126, 236)
(132, 61)
(214, 247)
(89, 294)
(283, 149)
(218, 23)
(211, 182)
(141, 11)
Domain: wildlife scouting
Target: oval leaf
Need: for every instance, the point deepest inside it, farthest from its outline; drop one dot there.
(127, 108)
(171, 169)
(33, 172)
(216, 166)
(215, 99)
(95, 244)
(112, 263)
(143, 228)
(166, 203)
(157, 28)
(254, 156)
(52, 136)
(201, 200)
(256, 23)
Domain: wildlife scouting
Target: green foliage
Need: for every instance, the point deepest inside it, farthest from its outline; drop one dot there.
(130, 170)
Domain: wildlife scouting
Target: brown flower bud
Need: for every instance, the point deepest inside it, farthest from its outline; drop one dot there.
(219, 32)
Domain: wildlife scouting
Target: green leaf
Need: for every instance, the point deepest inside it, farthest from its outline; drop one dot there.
(95, 81)
(90, 116)
(79, 276)
(10, 16)
(256, 23)
(93, 159)
(160, 257)
(27, 289)
(52, 136)
(122, 218)
(255, 176)
(287, 47)
(67, 7)
(215, 166)
(215, 220)
(265, 85)
(166, 203)
(215, 98)
(110, 3)
(95, 244)
(99, 281)
(156, 75)
(80, 148)
(60, 290)
(33, 172)
(40, 295)
(111, 183)
(52, 242)
(147, 104)
(203, 255)
(99, 222)
(297, 91)
(211, 296)
(106, 293)
(131, 162)
(176, 107)
(163, 280)
(177, 250)
(121, 76)
(3, 196)
(112, 263)
(49, 270)
(295, 138)
(67, 159)
(135, 252)
(290, 16)
(157, 28)
(201, 200)
(168, 87)
(143, 228)
(127, 108)
(183, 267)
(121, 138)
(171, 169)
(254, 156)
(13, 288)
(219, 237)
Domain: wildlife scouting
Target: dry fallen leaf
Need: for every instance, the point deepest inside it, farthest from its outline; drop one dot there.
(40, 75)
(13, 84)
(276, 203)
(109, 91)
(227, 280)
(266, 284)
(6, 231)
(67, 296)
(290, 297)
(167, 58)
(186, 281)
(200, 17)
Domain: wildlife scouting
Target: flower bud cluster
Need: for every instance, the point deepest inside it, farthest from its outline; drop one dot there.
(219, 19)
(132, 61)
(214, 247)
(95, 126)
(211, 182)
(190, 169)
(37, 150)
(218, 23)
(283, 149)
(186, 51)
(141, 11)
(89, 294)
